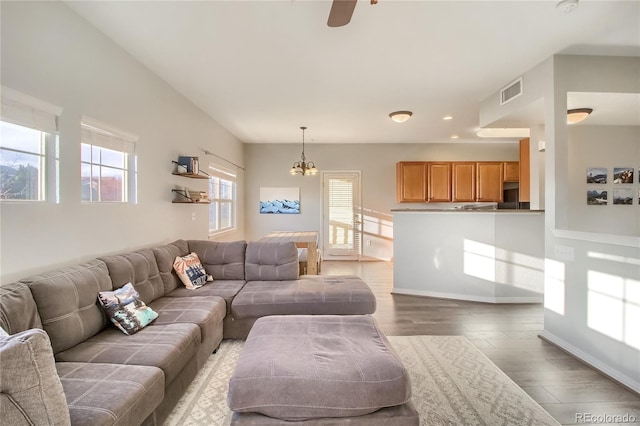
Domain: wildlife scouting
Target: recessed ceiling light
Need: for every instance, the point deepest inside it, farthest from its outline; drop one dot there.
(400, 116)
(509, 132)
(454, 136)
(448, 117)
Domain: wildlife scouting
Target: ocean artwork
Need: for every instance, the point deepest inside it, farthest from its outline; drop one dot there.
(279, 200)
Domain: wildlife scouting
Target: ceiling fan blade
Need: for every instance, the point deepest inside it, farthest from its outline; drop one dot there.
(341, 12)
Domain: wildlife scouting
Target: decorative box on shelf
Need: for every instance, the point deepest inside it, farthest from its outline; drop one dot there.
(188, 167)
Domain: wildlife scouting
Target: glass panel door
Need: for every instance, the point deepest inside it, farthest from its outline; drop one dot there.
(342, 222)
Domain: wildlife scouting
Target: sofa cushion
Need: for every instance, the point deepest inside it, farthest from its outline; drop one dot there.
(138, 268)
(310, 295)
(190, 271)
(165, 256)
(206, 312)
(168, 347)
(110, 394)
(222, 260)
(18, 310)
(125, 309)
(30, 389)
(227, 289)
(311, 366)
(67, 301)
(271, 261)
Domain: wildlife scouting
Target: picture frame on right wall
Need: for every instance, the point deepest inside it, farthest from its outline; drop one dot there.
(597, 175)
(623, 175)
(596, 197)
(623, 196)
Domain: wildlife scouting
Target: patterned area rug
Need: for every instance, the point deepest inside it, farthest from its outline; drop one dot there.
(453, 384)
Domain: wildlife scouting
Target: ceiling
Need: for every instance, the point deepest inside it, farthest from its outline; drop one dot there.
(262, 69)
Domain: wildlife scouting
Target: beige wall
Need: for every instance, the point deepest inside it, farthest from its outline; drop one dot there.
(268, 166)
(50, 53)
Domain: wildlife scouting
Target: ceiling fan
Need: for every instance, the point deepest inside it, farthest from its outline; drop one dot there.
(341, 12)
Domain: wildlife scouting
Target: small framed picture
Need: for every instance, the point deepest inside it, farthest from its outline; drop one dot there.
(623, 175)
(622, 196)
(596, 175)
(596, 197)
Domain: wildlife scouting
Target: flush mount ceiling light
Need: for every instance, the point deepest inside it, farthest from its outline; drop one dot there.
(567, 6)
(303, 167)
(508, 132)
(400, 116)
(578, 114)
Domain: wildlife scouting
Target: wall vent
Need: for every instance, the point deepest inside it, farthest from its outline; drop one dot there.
(512, 91)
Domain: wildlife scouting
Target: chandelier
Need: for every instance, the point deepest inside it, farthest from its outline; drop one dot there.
(303, 167)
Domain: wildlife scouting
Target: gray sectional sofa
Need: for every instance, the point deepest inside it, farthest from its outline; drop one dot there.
(104, 377)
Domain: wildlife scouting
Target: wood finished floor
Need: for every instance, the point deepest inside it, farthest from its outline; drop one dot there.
(508, 336)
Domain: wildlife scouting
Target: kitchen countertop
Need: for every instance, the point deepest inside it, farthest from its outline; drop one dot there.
(453, 210)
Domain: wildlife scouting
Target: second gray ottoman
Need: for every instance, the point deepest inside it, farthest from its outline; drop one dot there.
(299, 367)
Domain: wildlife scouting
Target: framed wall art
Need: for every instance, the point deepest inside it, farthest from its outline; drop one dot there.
(623, 175)
(623, 196)
(279, 200)
(596, 175)
(596, 197)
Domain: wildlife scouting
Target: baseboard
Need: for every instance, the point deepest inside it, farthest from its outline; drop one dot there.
(591, 361)
(470, 298)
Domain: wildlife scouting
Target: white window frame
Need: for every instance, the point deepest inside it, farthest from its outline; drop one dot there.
(103, 136)
(218, 172)
(26, 111)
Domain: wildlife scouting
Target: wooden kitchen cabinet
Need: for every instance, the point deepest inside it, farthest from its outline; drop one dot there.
(489, 181)
(511, 171)
(439, 182)
(411, 182)
(525, 171)
(463, 182)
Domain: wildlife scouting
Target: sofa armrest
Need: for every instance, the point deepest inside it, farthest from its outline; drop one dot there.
(30, 389)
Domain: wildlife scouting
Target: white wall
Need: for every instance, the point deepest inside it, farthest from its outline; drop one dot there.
(50, 53)
(592, 268)
(268, 165)
(608, 147)
(487, 256)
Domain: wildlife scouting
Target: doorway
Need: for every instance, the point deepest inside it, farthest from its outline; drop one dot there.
(342, 216)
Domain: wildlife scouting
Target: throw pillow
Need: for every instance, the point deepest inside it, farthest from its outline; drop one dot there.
(125, 309)
(191, 272)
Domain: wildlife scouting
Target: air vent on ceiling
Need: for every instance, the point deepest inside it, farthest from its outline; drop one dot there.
(512, 91)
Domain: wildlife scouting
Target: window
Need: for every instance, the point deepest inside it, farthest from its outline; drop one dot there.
(222, 192)
(28, 148)
(107, 164)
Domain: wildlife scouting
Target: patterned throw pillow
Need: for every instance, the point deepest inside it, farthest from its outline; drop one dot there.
(125, 309)
(191, 272)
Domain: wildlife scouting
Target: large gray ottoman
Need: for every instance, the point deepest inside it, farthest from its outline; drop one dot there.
(319, 369)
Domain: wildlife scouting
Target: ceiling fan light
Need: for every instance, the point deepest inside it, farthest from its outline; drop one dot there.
(400, 116)
(578, 114)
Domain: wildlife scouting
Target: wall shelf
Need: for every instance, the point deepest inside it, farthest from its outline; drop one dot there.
(191, 175)
(185, 198)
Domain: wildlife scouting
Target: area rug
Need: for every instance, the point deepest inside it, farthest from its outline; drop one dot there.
(453, 383)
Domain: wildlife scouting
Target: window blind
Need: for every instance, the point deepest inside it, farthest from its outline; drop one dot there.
(341, 214)
(98, 134)
(27, 111)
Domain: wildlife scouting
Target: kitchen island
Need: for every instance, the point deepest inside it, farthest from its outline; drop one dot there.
(481, 255)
